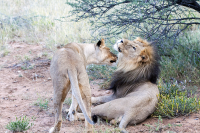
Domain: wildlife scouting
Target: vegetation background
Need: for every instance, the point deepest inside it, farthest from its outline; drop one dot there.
(49, 24)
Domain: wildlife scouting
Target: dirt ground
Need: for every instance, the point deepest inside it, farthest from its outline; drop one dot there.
(23, 82)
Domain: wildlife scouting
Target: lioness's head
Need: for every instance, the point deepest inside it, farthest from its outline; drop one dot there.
(104, 56)
(133, 53)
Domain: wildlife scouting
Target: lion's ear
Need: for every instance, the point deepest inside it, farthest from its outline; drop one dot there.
(144, 56)
(101, 43)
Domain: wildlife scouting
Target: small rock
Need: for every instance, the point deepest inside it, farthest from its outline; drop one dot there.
(107, 92)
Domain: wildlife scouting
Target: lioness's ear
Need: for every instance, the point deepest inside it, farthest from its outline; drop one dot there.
(101, 43)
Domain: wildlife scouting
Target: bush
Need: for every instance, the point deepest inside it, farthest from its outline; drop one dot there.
(21, 124)
(174, 101)
(100, 72)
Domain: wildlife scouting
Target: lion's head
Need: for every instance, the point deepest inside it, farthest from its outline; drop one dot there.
(138, 62)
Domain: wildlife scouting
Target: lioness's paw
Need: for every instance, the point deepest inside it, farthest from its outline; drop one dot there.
(52, 130)
(71, 116)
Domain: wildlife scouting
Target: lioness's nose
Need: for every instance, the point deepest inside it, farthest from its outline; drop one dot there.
(114, 58)
(112, 61)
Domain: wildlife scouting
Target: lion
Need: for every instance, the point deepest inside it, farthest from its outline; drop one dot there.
(68, 71)
(135, 93)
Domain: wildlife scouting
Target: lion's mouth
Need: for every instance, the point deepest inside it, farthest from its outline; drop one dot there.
(119, 49)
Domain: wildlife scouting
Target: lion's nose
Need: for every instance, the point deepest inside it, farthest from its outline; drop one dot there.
(119, 49)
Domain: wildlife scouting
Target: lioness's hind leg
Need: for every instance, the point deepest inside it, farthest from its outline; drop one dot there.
(86, 96)
(60, 93)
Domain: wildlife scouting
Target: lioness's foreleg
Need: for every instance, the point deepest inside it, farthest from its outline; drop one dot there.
(60, 92)
(102, 99)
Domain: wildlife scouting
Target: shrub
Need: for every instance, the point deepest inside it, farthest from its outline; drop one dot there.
(21, 124)
(100, 72)
(175, 101)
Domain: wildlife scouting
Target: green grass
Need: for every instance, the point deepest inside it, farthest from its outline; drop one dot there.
(183, 64)
(21, 124)
(159, 126)
(42, 103)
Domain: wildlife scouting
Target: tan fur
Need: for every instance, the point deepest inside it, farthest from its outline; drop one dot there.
(133, 83)
(68, 71)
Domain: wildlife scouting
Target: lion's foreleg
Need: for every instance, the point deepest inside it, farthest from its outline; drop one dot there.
(102, 99)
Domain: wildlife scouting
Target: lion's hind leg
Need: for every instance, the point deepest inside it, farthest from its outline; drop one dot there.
(124, 122)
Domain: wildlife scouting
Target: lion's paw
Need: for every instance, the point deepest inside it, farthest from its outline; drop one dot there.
(93, 100)
(123, 130)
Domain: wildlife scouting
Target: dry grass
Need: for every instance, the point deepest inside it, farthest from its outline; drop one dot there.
(42, 22)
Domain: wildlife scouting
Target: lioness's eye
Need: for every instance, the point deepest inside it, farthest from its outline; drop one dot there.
(134, 48)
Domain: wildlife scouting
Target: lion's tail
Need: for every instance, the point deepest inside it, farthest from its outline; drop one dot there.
(74, 84)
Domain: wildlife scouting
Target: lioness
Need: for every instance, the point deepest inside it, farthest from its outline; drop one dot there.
(68, 70)
(134, 86)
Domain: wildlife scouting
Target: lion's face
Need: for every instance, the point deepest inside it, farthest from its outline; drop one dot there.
(130, 49)
(132, 52)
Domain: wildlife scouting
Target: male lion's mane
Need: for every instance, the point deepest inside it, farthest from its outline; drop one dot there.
(123, 83)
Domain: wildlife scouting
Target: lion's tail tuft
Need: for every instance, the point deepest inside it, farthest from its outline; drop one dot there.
(94, 118)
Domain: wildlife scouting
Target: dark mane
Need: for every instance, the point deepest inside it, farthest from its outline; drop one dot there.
(122, 83)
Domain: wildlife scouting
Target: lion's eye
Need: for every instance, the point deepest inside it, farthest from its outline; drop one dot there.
(134, 48)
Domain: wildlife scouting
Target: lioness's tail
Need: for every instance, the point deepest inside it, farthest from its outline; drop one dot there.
(74, 85)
